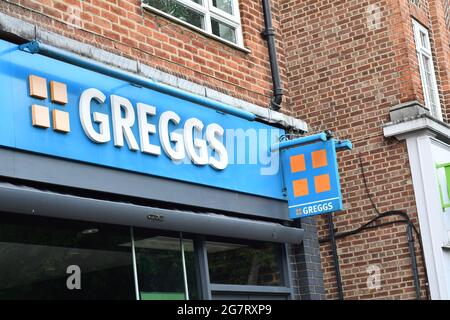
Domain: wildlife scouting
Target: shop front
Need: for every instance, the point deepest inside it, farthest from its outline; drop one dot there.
(114, 186)
(46, 258)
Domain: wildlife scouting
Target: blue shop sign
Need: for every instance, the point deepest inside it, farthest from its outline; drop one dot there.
(61, 110)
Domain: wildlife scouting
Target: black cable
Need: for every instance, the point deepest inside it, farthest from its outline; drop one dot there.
(354, 232)
(369, 226)
(366, 186)
(371, 199)
(422, 252)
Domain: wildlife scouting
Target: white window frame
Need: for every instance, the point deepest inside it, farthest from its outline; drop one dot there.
(425, 51)
(209, 11)
(447, 13)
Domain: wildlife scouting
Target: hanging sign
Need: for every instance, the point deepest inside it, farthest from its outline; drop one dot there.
(311, 177)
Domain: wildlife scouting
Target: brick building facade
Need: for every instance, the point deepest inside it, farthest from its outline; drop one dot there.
(132, 36)
(126, 28)
(350, 63)
(349, 66)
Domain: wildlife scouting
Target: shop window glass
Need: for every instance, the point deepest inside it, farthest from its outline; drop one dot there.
(244, 264)
(160, 266)
(56, 259)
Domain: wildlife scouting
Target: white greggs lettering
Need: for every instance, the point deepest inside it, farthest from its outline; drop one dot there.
(174, 144)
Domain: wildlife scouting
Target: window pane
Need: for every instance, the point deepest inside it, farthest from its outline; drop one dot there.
(36, 253)
(429, 90)
(240, 264)
(447, 13)
(224, 5)
(191, 269)
(222, 30)
(159, 266)
(179, 11)
(424, 40)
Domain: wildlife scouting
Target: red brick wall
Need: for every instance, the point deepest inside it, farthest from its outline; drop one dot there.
(349, 62)
(123, 27)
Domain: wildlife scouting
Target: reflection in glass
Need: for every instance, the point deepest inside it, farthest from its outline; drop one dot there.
(160, 267)
(178, 10)
(430, 87)
(191, 269)
(244, 264)
(222, 30)
(224, 5)
(424, 39)
(35, 254)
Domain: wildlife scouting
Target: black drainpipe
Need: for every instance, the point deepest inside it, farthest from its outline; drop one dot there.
(412, 255)
(269, 35)
(337, 268)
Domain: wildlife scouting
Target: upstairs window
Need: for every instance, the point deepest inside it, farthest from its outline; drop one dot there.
(447, 13)
(218, 18)
(427, 74)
